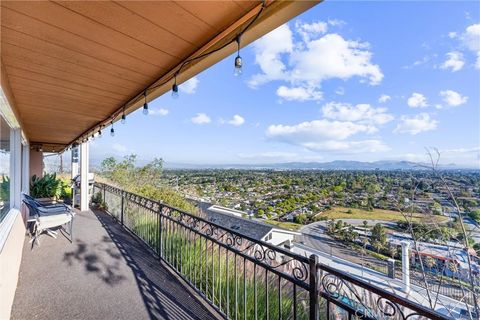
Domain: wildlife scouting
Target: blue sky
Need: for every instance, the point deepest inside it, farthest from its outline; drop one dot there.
(344, 81)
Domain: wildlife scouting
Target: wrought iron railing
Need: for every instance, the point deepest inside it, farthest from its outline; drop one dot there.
(244, 278)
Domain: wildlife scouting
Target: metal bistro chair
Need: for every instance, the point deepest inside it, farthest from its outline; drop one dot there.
(48, 217)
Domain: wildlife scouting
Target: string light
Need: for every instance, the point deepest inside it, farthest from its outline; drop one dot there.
(145, 104)
(100, 133)
(124, 118)
(238, 60)
(175, 94)
(175, 89)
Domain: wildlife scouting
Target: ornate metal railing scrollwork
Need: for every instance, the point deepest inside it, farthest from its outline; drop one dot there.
(362, 300)
(198, 249)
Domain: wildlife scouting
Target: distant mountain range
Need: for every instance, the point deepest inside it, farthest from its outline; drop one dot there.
(333, 165)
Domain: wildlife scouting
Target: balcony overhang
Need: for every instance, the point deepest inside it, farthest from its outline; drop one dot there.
(69, 67)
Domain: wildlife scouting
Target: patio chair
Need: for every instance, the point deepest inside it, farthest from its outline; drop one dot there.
(47, 205)
(47, 218)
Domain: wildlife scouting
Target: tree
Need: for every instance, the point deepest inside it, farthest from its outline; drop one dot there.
(436, 208)
(300, 218)
(260, 212)
(331, 226)
(392, 250)
(143, 180)
(365, 224)
(475, 215)
(378, 239)
(338, 225)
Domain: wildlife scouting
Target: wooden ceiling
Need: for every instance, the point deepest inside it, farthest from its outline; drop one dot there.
(71, 65)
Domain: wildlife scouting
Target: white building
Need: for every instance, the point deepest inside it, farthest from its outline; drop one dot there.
(234, 220)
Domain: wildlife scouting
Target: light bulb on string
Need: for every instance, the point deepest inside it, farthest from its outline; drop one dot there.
(112, 131)
(175, 89)
(145, 104)
(238, 60)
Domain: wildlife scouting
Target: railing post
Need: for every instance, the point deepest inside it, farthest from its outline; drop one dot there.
(160, 251)
(121, 210)
(313, 287)
(104, 199)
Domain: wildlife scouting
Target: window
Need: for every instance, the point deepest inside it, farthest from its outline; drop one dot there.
(4, 168)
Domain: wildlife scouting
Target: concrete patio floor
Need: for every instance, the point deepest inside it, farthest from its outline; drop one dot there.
(104, 274)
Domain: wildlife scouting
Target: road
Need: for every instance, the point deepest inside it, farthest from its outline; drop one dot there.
(314, 236)
(473, 228)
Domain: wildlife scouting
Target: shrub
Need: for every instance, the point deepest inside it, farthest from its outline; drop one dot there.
(5, 188)
(46, 187)
(97, 200)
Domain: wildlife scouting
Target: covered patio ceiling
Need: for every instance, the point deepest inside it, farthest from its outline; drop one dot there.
(70, 67)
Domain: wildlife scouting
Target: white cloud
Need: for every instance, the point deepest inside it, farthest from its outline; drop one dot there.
(298, 93)
(120, 148)
(270, 155)
(455, 61)
(268, 51)
(336, 22)
(417, 100)
(189, 86)
(452, 35)
(158, 112)
(309, 30)
(460, 150)
(237, 120)
(331, 56)
(468, 157)
(362, 113)
(471, 40)
(201, 118)
(312, 131)
(384, 98)
(326, 135)
(340, 91)
(276, 156)
(471, 37)
(306, 63)
(453, 98)
(350, 146)
(416, 124)
(417, 63)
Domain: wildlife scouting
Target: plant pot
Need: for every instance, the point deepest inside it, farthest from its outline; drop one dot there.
(49, 200)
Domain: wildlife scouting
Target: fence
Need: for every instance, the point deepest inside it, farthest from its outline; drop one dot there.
(244, 278)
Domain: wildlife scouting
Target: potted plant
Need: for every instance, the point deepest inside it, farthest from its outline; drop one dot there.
(47, 188)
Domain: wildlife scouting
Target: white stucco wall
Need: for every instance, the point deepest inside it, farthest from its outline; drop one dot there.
(278, 237)
(10, 258)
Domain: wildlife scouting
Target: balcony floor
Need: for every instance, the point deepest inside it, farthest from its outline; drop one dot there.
(104, 274)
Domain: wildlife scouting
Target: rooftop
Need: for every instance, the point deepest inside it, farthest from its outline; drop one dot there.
(249, 227)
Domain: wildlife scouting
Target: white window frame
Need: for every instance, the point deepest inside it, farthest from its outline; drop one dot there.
(16, 178)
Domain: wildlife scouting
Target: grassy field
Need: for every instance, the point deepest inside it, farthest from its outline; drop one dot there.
(376, 214)
(285, 225)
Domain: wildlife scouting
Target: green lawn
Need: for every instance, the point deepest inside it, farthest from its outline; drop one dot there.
(285, 225)
(376, 214)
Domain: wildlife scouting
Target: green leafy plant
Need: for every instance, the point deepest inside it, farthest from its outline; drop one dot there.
(97, 200)
(5, 188)
(46, 187)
